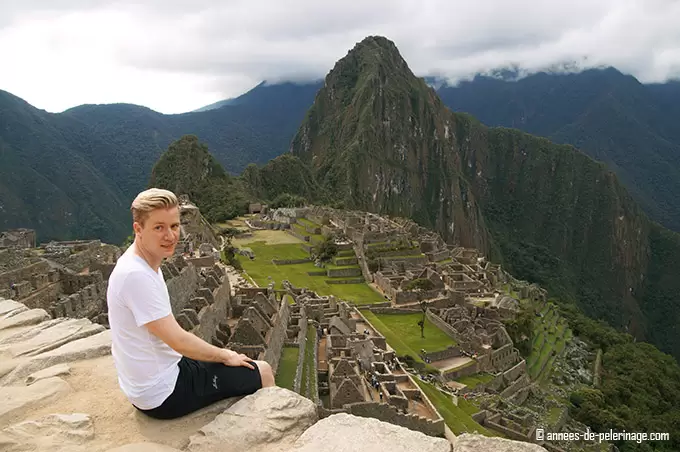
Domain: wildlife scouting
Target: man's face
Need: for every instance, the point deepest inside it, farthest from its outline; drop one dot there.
(160, 232)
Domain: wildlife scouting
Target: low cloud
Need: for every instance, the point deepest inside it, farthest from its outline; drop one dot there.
(174, 56)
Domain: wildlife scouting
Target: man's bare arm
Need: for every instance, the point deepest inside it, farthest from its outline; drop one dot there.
(187, 344)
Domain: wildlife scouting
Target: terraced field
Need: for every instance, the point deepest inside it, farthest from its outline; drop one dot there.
(551, 334)
(351, 288)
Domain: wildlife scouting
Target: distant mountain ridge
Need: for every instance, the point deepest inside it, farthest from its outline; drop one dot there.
(73, 174)
(612, 117)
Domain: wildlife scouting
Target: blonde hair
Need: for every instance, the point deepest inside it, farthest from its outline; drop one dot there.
(152, 199)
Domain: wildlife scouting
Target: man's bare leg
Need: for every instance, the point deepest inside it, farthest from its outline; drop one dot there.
(266, 373)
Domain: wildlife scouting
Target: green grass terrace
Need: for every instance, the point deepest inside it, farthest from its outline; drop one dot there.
(285, 374)
(457, 417)
(262, 267)
(550, 337)
(402, 333)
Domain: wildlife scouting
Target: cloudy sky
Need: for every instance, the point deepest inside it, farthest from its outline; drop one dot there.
(175, 56)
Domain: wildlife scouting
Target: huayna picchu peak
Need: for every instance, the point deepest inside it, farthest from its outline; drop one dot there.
(379, 138)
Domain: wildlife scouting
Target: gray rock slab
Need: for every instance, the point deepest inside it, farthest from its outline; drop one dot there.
(53, 433)
(19, 399)
(346, 433)
(30, 317)
(90, 347)
(48, 336)
(478, 443)
(269, 420)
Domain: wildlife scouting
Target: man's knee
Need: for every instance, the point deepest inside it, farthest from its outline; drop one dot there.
(266, 373)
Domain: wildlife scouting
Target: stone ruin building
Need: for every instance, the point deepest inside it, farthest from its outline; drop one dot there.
(17, 238)
(354, 371)
(460, 290)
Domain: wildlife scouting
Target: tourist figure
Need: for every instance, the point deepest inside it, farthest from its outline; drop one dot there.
(163, 370)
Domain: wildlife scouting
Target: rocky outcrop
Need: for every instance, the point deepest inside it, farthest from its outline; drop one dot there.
(347, 433)
(54, 432)
(477, 443)
(269, 420)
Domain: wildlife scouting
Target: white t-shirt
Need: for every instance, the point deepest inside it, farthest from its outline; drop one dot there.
(147, 367)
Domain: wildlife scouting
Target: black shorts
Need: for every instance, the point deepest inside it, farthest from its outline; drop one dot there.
(200, 384)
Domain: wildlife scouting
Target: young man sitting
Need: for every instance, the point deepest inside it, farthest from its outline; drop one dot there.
(165, 371)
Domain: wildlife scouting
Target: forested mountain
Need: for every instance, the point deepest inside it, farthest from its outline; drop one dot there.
(380, 139)
(612, 117)
(73, 175)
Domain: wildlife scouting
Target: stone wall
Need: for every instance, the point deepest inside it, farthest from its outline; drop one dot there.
(43, 298)
(294, 233)
(205, 261)
(88, 302)
(182, 288)
(444, 326)
(20, 238)
(104, 269)
(504, 357)
(345, 281)
(290, 261)
(388, 413)
(302, 344)
(250, 292)
(439, 256)
(470, 369)
(520, 383)
(408, 262)
(450, 352)
(23, 273)
(343, 272)
(86, 254)
(515, 372)
(402, 297)
(278, 336)
(498, 424)
(393, 310)
(344, 261)
(215, 309)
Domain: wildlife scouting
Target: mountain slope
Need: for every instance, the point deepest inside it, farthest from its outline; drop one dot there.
(380, 139)
(188, 168)
(610, 116)
(73, 175)
(47, 183)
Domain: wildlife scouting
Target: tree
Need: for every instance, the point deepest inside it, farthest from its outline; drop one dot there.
(421, 323)
(327, 249)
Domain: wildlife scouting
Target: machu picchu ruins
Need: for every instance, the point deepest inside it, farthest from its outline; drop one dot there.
(337, 352)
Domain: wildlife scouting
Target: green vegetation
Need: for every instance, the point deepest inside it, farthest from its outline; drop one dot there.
(326, 250)
(550, 335)
(262, 267)
(188, 168)
(287, 200)
(402, 332)
(604, 113)
(639, 389)
(473, 380)
(285, 374)
(309, 374)
(456, 417)
(420, 284)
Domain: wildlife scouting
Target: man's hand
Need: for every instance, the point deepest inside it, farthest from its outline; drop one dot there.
(231, 358)
(187, 344)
